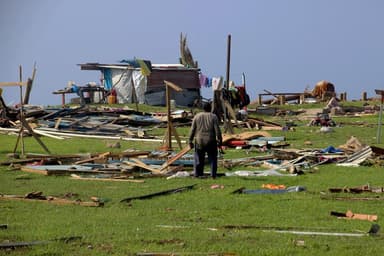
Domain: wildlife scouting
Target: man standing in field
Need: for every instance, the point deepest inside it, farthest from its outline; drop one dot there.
(205, 136)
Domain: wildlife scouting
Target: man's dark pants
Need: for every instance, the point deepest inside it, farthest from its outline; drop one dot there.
(200, 152)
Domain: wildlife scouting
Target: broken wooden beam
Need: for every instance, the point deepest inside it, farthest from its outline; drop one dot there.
(102, 156)
(14, 245)
(374, 230)
(174, 158)
(165, 192)
(51, 199)
(67, 169)
(138, 163)
(356, 216)
(77, 177)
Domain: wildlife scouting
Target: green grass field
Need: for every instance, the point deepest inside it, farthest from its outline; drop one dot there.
(200, 221)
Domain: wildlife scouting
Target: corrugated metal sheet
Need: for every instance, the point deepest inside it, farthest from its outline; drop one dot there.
(183, 78)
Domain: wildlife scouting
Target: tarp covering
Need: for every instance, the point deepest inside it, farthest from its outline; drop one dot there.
(107, 79)
(122, 83)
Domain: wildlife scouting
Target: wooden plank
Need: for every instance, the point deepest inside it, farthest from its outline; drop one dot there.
(173, 86)
(29, 86)
(174, 131)
(48, 135)
(77, 177)
(174, 158)
(31, 170)
(165, 192)
(99, 157)
(58, 121)
(138, 163)
(52, 200)
(66, 169)
(13, 84)
(26, 125)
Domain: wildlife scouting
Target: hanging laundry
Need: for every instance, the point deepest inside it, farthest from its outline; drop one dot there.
(203, 79)
(216, 83)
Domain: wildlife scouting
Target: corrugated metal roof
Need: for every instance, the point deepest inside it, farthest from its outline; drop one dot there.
(99, 66)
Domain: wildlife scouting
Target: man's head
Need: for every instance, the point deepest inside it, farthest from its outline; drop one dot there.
(207, 107)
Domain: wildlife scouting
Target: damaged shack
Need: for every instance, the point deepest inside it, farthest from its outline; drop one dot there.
(131, 84)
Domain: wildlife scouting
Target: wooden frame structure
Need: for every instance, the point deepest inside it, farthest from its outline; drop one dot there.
(170, 128)
(23, 122)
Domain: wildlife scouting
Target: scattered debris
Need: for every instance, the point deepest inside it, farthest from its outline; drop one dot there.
(14, 245)
(183, 253)
(357, 158)
(373, 231)
(100, 178)
(316, 233)
(322, 119)
(181, 174)
(357, 190)
(217, 186)
(269, 191)
(323, 90)
(165, 192)
(38, 196)
(357, 216)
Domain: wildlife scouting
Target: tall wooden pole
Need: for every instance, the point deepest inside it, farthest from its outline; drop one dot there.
(21, 114)
(21, 111)
(228, 61)
(381, 93)
(169, 124)
(28, 88)
(227, 121)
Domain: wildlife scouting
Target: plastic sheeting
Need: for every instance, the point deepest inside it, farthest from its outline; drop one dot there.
(122, 83)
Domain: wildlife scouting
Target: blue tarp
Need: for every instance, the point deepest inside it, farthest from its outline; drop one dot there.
(107, 79)
(331, 149)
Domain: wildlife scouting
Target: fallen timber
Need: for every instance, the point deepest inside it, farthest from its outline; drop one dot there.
(67, 169)
(38, 197)
(118, 178)
(14, 245)
(359, 189)
(165, 192)
(357, 216)
(103, 137)
(373, 231)
(53, 157)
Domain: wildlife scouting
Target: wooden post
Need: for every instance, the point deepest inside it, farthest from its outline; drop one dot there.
(302, 98)
(63, 99)
(364, 96)
(381, 93)
(227, 122)
(170, 129)
(21, 113)
(28, 89)
(169, 118)
(228, 61)
(23, 122)
(134, 95)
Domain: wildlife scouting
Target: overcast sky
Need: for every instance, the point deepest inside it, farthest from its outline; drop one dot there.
(280, 45)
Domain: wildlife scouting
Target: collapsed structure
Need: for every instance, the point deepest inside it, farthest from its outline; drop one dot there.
(131, 83)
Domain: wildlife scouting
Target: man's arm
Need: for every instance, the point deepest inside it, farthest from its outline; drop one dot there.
(217, 130)
(192, 132)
